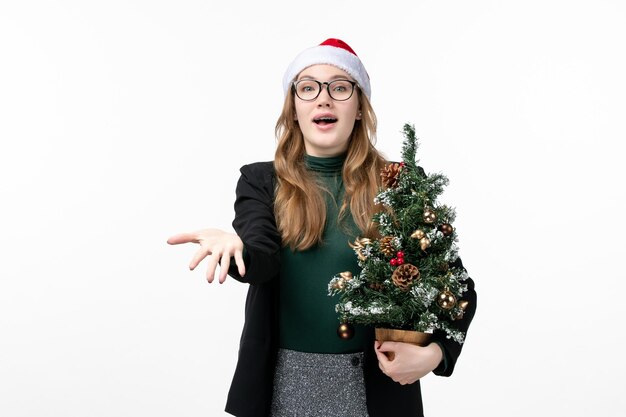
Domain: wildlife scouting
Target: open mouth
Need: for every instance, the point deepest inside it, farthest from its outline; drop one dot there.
(323, 121)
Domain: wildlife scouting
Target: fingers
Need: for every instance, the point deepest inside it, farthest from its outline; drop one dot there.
(216, 246)
(224, 265)
(241, 266)
(211, 265)
(202, 253)
(182, 238)
(383, 360)
(382, 368)
(217, 257)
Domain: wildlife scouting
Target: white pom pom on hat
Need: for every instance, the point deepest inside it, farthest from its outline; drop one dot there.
(331, 52)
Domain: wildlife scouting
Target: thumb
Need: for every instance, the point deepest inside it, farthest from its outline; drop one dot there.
(182, 238)
(387, 347)
(382, 358)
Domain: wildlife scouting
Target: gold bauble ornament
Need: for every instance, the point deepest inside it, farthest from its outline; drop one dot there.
(446, 300)
(424, 243)
(446, 229)
(345, 331)
(418, 234)
(429, 216)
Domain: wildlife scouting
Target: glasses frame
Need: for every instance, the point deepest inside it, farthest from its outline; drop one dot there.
(319, 91)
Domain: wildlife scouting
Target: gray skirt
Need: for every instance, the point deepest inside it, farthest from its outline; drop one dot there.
(318, 384)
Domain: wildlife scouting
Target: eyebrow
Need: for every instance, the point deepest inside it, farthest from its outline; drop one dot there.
(334, 77)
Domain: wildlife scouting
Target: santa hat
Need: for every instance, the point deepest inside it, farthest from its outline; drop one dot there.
(332, 52)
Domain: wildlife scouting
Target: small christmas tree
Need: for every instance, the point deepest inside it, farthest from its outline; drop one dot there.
(409, 279)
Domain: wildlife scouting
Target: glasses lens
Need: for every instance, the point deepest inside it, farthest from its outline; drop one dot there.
(340, 89)
(307, 89)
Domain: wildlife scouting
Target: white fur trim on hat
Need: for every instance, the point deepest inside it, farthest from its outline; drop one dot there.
(330, 55)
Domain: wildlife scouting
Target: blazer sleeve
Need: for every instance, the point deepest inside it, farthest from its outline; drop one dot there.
(255, 224)
(452, 349)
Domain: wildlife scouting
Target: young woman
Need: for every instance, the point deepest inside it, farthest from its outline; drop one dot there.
(294, 217)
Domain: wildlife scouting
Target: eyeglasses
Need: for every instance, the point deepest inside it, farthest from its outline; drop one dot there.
(338, 90)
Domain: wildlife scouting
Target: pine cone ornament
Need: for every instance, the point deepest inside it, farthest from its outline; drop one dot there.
(389, 175)
(404, 275)
(386, 247)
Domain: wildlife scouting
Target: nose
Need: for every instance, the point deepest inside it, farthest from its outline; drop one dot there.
(324, 98)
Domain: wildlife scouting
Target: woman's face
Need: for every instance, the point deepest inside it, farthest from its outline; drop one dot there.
(326, 124)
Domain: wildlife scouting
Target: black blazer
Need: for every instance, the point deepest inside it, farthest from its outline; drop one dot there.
(250, 393)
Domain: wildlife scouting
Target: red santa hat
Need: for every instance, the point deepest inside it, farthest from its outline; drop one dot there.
(331, 52)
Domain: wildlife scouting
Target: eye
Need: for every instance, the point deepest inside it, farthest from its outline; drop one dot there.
(341, 86)
(307, 86)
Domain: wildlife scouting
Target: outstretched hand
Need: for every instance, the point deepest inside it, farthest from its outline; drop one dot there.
(218, 246)
(410, 362)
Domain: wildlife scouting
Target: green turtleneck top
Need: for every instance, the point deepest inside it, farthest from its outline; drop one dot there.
(307, 319)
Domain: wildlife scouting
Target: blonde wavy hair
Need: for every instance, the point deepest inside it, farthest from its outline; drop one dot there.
(299, 204)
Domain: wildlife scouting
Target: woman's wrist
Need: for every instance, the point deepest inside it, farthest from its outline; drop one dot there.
(436, 354)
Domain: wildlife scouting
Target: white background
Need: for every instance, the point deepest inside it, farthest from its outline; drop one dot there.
(124, 122)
